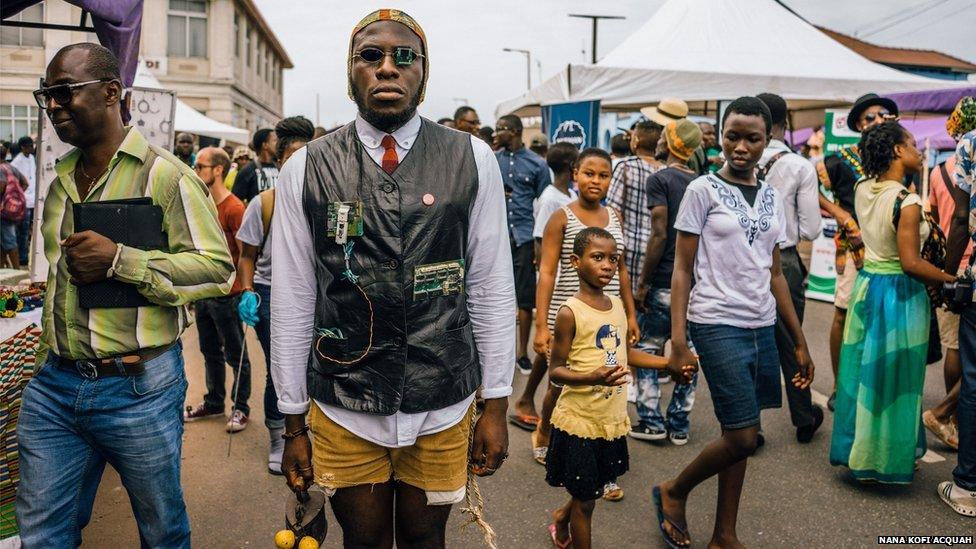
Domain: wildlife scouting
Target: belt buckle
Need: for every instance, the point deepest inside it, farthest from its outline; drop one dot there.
(87, 369)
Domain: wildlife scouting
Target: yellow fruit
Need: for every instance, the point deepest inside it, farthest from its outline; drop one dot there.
(308, 542)
(285, 539)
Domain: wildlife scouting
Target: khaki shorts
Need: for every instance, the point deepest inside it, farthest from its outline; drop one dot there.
(948, 329)
(437, 463)
(845, 284)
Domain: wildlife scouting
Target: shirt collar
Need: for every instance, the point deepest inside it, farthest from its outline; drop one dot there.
(372, 137)
(134, 144)
(777, 145)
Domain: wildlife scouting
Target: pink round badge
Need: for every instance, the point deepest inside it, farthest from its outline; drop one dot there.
(428, 199)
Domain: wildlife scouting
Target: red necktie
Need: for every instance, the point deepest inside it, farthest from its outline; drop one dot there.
(390, 160)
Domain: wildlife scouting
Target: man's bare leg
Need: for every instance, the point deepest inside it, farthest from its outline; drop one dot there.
(419, 525)
(365, 514)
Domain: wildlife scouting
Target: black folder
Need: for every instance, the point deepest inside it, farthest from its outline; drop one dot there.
(134, 222)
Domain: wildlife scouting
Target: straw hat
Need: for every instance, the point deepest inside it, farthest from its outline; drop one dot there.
(667, 110)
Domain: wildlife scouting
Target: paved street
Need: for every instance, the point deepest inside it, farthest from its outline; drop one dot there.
(792, 498)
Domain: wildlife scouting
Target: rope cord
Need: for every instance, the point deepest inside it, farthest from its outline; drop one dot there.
(476, 505)
(336, 333)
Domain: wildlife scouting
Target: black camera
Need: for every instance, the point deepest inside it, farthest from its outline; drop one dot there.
(958, 294)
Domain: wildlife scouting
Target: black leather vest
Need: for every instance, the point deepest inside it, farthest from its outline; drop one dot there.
(422, 356)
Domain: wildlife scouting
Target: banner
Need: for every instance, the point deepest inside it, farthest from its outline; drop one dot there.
(836, 133)
(823, 272)
(576, 123)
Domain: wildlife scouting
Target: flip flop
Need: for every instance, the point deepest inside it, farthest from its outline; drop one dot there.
(561, 545)
(524, 421)
(662, 518)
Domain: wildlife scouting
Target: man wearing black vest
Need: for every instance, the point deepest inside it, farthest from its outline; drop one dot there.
(393, 303)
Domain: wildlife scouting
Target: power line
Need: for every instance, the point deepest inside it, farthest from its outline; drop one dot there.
(918, 10)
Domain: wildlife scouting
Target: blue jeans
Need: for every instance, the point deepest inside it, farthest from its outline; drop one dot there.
(965, 472)
(24, 236)
(273, 419)
(655, 326)
(71, 426)
(741, 366)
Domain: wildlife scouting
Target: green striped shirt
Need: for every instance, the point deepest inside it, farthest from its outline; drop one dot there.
(196, 266)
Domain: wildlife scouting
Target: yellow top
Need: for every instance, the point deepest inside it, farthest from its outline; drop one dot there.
(595, 411)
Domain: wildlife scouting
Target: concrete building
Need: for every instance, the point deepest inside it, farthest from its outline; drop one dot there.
(220, 56)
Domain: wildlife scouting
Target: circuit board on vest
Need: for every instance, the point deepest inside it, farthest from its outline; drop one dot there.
(354, 224)
(438, 279)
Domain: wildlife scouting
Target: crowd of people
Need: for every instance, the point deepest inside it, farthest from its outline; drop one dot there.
(419, 258)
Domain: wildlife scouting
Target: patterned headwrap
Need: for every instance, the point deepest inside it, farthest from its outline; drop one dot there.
(963, 118)
(403, 19)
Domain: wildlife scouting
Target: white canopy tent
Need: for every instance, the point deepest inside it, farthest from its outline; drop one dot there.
(709, 50)
(187, 119)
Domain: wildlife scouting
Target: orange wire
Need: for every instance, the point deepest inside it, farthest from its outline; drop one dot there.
(369, 344)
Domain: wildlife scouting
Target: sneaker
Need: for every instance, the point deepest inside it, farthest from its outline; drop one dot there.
(200, 412)
(612, 492)
(276, 451)
(524, 365)
(237, 422)
(643, 431)
(960, 500)
(805, 434)
(831, 400)
(678, 439)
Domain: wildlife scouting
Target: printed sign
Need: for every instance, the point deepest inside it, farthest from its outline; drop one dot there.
(574, 123)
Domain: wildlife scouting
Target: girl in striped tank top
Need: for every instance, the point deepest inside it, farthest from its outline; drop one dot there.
(592, 175)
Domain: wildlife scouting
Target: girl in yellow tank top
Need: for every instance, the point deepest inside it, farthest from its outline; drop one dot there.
(590, 358)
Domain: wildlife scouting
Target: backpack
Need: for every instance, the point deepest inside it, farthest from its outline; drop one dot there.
(14, 205)
(267, 210)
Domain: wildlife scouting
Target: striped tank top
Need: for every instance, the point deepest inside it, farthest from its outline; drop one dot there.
(567, 282)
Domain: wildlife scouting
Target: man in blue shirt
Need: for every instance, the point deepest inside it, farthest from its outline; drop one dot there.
(525, 175)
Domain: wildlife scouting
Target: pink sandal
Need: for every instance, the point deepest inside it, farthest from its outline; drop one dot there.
(560, 545)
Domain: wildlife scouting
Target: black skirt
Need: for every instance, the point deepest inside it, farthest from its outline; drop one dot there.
(584, 465)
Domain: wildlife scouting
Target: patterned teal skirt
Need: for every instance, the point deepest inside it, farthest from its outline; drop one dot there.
(878, 431)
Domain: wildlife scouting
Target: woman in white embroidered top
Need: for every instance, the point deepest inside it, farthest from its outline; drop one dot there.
(729, 227)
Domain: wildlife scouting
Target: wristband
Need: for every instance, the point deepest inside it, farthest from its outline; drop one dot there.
(115, 261)
(296, 433)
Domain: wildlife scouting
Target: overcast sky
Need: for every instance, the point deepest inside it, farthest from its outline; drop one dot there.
(466, 40)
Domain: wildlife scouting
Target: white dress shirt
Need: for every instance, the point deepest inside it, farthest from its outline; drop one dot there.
(27, 165)
(795, 181)
(489, 285)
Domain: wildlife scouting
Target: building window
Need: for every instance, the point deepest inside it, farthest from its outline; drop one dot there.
(260, 60)
(187, 28)
(267, 65)
(17, 121)
(17, 36)
(248, 51)
(237, 35)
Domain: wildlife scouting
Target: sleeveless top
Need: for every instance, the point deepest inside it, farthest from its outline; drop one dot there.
(567, 282)
(595, 411)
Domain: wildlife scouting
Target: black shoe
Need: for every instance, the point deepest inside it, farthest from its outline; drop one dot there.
(524, 365)
(643, 431)
(830, 401)
(805, 434)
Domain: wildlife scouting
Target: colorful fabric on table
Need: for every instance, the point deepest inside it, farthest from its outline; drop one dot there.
(405, 20)
(877, 420)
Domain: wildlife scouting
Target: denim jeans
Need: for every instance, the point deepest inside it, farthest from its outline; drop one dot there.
(71, 426)
(655, 326)
(965, 472)
(273, 419)
(221, 342)
(24, 236)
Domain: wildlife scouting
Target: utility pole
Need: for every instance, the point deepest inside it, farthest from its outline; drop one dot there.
(528, 64)
(595, 19)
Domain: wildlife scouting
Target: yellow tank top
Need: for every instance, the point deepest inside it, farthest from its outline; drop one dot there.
(595, 411)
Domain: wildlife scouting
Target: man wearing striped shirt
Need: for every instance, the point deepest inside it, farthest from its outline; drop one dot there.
(111, 388)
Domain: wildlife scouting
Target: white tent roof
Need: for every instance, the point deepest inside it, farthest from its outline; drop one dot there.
(187, 118)
(702, 50)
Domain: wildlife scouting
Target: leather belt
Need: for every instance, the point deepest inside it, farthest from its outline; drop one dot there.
(123, 365)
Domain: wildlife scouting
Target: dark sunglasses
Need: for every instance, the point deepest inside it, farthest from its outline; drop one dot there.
(62, 93)
(402, 56)
(883, 114)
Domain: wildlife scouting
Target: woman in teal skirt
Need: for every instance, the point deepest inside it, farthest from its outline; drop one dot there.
(878, 433)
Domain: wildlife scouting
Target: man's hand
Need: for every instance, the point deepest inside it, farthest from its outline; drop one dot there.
(247, 308)
(681, 357)
(89, 256)
(296, 461)
(611, 377)
(490, 446)
(804, 375)
(542, 340)
(681, 375)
